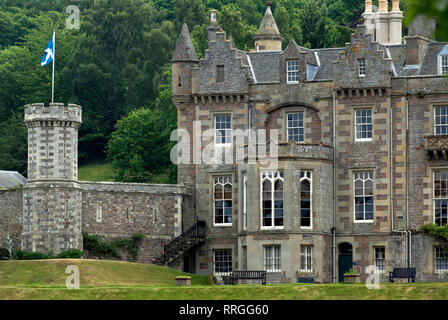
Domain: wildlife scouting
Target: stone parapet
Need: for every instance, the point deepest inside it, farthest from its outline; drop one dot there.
(37, 113)
(176, 189)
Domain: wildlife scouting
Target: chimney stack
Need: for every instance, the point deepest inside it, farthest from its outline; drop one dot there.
(382, 19)
(384, 26)
(369, 16)
(213, 27)
(421, 32)
(396, 23)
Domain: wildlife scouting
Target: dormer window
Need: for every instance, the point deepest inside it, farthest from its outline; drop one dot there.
(292, 67)
(220, 73)
(443, 64)
(362, 67)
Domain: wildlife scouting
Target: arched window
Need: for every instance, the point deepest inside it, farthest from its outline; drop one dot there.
(272, 199)
(306, 213)
(222, 194)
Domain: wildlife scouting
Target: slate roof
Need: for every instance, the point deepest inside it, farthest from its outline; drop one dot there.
(266, 66)
(184, 47)
(326, 58)
(11, 179)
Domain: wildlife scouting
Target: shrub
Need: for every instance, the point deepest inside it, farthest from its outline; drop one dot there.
(23, 255)
(97, 247)
(70, 254)
(4, 254)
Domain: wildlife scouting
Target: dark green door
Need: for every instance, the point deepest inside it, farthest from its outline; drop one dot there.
(345, 259)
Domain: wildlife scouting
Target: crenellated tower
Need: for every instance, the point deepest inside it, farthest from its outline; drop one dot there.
(52, 198)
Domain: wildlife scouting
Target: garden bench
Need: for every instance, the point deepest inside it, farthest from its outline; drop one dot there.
(305, 280)
(403, 273)
(248, 275)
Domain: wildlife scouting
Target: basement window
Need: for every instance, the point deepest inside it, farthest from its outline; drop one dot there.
(441, 263)
(272, 258)
(222, 260)
(306, 258)
(380, 259)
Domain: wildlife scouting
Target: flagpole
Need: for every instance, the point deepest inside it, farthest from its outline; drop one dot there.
(54, 60)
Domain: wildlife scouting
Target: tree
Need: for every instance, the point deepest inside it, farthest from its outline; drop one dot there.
(141, 142)
(314, 23)
(191, 12)
(116, 65)
(437, 9)
(13, 139)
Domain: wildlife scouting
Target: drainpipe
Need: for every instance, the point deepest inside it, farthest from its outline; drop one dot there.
(409, 251)
(333, 229)
(392, 206)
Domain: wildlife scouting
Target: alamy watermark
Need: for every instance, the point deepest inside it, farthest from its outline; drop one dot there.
(230, 146)
(73, 20)
(72, 281)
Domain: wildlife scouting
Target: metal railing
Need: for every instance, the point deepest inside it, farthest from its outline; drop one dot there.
(186, 240)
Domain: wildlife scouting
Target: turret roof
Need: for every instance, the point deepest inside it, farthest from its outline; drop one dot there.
(184, 47)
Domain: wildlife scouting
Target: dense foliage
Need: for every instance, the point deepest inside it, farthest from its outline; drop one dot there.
(69, 254)
(116, 65)
(435, 230)
(102, 249)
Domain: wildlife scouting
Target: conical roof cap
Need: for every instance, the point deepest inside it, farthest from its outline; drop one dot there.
(184, 47)
(268, 27)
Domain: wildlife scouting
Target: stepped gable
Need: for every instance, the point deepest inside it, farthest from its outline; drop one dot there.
(378, 65)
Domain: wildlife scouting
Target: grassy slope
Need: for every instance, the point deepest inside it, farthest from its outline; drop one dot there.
(97, 171)
(45, 279)
(103, 171)
(94, 273)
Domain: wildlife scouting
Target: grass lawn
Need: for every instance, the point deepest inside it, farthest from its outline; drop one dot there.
(103, 171)
(102, 279)
(96, 171)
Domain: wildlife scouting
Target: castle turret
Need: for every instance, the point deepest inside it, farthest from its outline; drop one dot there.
(52, 197)
(268, 37)
(183, 61)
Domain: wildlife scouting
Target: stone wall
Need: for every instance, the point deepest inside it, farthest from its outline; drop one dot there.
(119, 210)
(11, 217)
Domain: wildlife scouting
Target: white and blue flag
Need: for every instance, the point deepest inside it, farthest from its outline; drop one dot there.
(49, 52)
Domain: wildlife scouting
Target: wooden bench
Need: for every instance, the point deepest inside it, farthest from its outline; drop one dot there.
(305, 280)
(248, 275)
(403, 273)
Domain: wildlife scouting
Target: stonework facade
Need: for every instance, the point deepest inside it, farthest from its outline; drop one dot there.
(365, 135)
(361, 139)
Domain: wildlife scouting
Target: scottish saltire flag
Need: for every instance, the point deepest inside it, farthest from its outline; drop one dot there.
(49, 52)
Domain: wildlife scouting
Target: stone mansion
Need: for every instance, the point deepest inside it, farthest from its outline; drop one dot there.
(362, 160)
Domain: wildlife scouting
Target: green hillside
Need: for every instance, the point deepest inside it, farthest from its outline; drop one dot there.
(117, 280)
(93, 273)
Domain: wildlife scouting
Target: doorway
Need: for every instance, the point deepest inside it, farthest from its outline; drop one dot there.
(345, 259)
